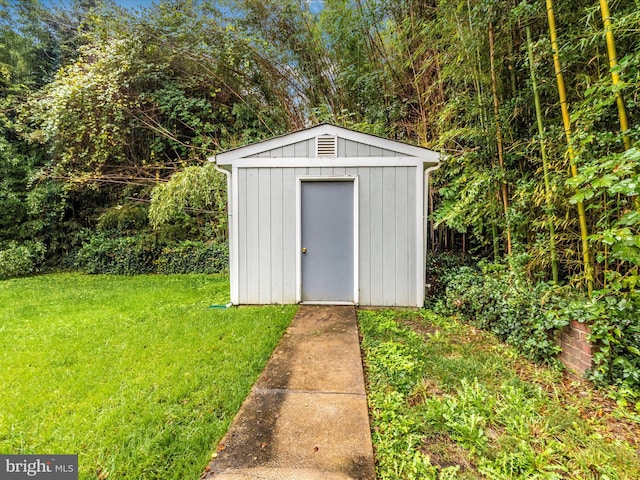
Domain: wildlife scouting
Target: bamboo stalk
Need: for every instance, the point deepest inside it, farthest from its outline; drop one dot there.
(499, 140)
(582, 218)
(496, 248)
(476, 72)
(613, 63)
(545, 165)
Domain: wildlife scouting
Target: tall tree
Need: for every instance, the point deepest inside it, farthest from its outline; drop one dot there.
(545, 166)
(26, 64)
(584, 231)
(499, 139)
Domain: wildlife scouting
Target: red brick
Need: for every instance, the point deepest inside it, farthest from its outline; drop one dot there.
(571, 350)
(580, 327)
(576, 349)
(584, 366)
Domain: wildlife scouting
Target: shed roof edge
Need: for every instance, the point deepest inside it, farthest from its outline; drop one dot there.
(229, 156)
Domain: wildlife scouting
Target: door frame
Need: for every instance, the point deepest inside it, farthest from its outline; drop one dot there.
(356, 234)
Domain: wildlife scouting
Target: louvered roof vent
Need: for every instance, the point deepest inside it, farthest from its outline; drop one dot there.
(327, 146)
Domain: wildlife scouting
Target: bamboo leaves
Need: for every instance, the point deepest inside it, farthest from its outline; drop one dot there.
(140, 99)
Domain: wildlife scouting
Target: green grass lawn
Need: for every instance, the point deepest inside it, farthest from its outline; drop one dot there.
(449, 401)
(137, 375)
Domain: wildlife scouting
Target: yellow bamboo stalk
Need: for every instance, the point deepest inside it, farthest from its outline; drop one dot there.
(545, 166)
(499, 141)
(564, 106)
(613, 63)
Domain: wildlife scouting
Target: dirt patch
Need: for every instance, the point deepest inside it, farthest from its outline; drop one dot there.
(471, 334)
(427, 389)
(443, 452)
(419, 327)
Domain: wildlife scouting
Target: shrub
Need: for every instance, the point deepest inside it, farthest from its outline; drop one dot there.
(194, 257)
(140, 254)
(20, 260)
(120, 256)
(439, 265)
(492, 297)
(123, 219)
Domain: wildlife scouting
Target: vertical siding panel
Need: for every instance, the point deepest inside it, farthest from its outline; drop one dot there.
(242, 235)
(314, 171)
(364, 244)
(327, 171)
(310, 151)
(342, 147)
(363, 149)
(389, 236)
(375, 152)
(252, 256)
(340, 171)
(277, 240)
(300, 149)
(412, 200)
(376, 230)
(289, 234)
(402, 278)
(288, 151)
(264, 235)
(276, 153)
(351, 148)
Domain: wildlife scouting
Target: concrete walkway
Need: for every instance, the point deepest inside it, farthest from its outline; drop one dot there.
(306, 417)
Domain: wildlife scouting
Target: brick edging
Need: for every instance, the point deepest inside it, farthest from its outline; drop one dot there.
(577, 351)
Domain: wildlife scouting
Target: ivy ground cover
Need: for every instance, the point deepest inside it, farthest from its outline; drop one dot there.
(449, 401)
(136, 375)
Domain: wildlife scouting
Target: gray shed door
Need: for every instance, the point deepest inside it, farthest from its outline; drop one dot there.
(327, 223)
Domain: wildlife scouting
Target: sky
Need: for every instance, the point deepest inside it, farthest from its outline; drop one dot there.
(314, 5)
(133, 3)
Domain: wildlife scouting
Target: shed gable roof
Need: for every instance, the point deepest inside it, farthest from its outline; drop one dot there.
(350, 143)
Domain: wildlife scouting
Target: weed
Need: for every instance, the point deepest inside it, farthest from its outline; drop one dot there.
(450, 401)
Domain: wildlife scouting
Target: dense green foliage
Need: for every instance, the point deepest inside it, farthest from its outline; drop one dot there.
(493, 298)
(137, 375)
(135, 255)
(107, 118)
(104, 106)
(20, 260)
(194, 257)
(120, 256)
(450, 401)
(529, 317)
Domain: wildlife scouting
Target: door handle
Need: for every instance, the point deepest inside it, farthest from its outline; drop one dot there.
(304, 249)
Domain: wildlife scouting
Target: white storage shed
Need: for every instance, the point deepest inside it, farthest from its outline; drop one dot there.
(327, 215)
